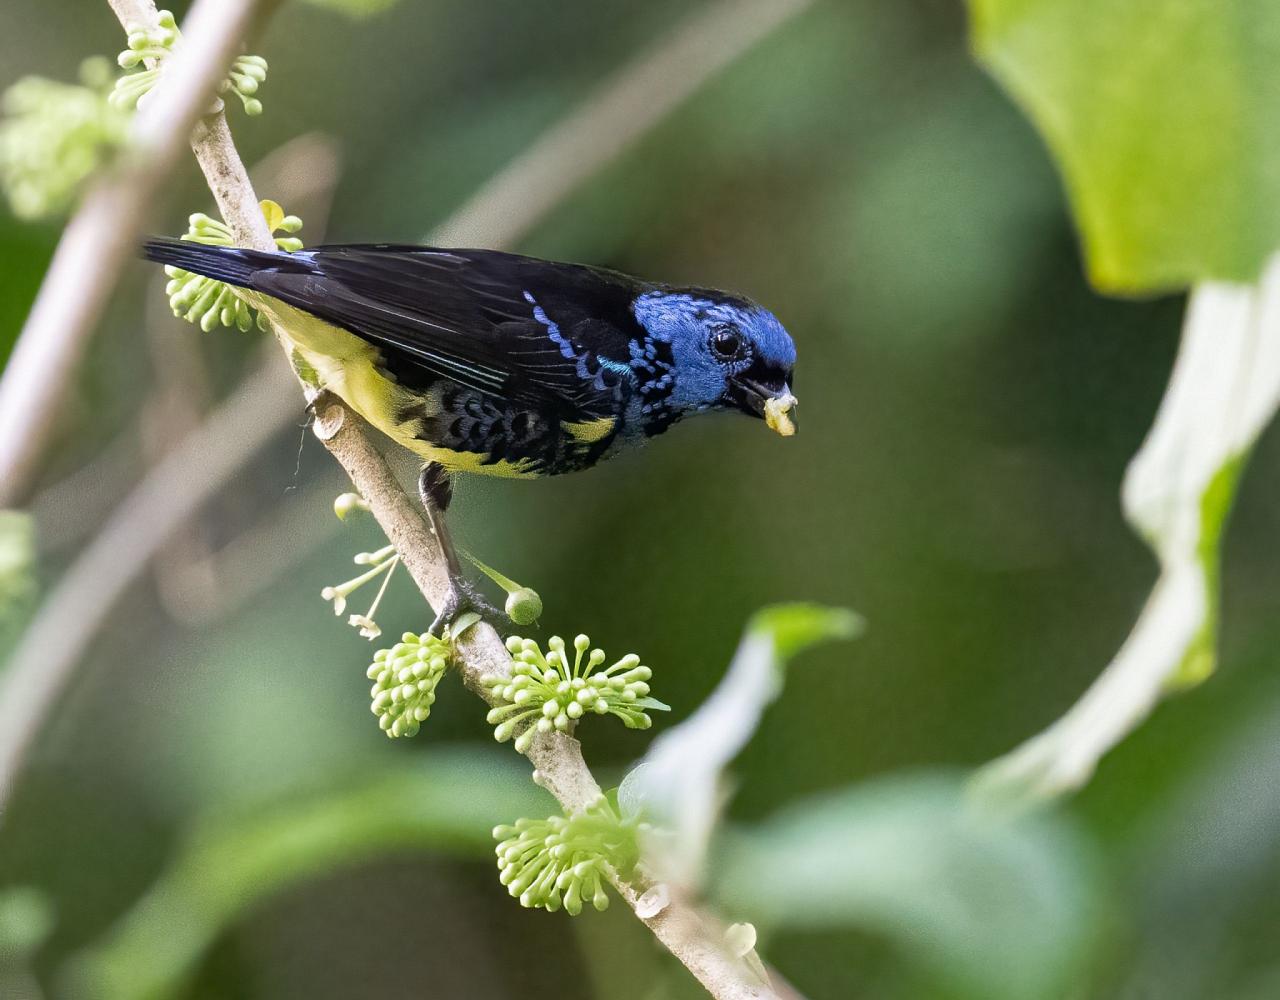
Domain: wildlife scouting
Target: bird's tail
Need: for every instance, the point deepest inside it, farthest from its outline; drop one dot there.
(233, 265)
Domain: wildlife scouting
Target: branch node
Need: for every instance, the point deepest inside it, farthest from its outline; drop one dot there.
(330, 416)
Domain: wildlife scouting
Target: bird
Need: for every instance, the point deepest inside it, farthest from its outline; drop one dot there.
(494, 363)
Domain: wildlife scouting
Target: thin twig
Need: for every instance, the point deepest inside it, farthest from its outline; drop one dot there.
(103, 234)
(302, 174)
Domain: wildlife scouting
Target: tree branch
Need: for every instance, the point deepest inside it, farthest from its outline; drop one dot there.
(694, 937)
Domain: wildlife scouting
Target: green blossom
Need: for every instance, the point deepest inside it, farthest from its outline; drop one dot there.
(145, 56)
(54, 136)
(404, 682)
(210, 303)
(546, 692)
(565, 860)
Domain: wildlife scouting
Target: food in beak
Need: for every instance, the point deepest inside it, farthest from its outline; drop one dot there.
(777, 414)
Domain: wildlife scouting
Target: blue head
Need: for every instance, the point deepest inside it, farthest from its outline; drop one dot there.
(726, 353)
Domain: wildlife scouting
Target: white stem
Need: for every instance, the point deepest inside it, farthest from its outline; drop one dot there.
(1224, 389)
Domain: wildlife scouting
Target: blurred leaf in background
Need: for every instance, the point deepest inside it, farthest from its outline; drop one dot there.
(680, 785)
(1162, 118)
(990, 909)
(232, 864)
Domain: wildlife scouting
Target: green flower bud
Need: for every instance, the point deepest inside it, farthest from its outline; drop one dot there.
(346, 504)
(211, 303)
(524, 606)
(54, 136)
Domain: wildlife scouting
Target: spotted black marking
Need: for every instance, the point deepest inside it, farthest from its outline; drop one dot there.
(654, 369)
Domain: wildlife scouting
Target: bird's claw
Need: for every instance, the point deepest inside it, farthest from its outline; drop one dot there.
(464, 597)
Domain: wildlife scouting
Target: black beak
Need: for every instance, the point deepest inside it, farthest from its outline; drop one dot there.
(774, 404)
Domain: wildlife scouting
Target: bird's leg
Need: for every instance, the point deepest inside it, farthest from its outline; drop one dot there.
(436, 489)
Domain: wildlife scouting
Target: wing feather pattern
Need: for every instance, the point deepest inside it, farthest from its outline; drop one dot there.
(522, 329)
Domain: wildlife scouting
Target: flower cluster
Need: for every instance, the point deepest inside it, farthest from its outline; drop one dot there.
(565, 860)
(546, 692)
(148, 48)
(404, 682)
(55, 135)
(207, 302)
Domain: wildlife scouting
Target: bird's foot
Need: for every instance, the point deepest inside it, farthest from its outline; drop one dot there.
(464, 598)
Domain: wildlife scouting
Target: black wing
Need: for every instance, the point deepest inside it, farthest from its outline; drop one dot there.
(516, 327)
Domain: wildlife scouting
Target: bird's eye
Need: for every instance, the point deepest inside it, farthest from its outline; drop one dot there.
(726, 343)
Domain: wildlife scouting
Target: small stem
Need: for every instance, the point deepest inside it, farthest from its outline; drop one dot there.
(392, 563)
(505, 582)
(381, 556)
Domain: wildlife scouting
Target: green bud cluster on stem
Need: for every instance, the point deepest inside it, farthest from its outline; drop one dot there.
(565, 861)
(546, 691)
(404, 682)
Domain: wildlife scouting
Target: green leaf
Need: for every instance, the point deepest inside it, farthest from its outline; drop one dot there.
(1162, 118)
(796, 627)
(996, 910)
(678, 784)
(229, 865)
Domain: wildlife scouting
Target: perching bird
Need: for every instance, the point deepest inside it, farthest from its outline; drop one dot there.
(487, 362)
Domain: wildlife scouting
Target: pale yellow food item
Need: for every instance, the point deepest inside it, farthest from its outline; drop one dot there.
(777, 414)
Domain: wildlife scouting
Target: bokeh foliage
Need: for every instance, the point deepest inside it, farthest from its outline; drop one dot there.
(1161, 116)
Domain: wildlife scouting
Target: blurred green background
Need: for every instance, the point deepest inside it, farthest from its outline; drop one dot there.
(968, 408)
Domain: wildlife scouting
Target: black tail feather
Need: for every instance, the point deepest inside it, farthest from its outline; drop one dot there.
(234, 265)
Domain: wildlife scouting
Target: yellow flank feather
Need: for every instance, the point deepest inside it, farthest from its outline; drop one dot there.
(348, 366)
(591, 431)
